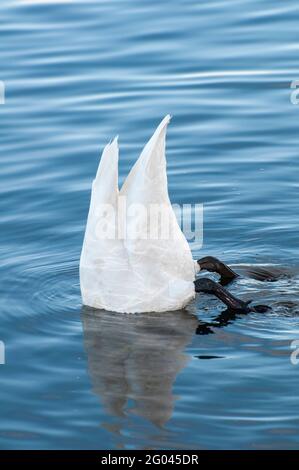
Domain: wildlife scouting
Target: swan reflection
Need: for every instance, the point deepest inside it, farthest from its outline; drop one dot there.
(134, 360)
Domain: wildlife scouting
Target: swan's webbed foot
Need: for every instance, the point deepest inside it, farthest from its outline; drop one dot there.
(214, 265)
(260, 308)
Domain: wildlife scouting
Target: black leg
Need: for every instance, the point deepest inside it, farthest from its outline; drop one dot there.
(211, 264)
(233, 304)
(211, 287)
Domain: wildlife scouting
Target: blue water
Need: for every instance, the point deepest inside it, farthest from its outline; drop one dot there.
(75, 75)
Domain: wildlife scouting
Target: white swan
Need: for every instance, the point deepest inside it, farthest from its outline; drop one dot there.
(126, 264)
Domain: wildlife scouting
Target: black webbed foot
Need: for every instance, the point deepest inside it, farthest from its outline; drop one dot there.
(259, 308)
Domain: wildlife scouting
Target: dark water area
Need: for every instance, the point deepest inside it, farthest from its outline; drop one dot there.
(76, 74)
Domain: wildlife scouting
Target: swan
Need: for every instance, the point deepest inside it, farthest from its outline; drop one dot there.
(135, 274)
(126, 266)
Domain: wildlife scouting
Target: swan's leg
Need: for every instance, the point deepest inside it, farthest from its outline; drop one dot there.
(208, 286)
(234, 304)
(211, 264)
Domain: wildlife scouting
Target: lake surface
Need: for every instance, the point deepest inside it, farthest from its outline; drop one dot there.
(76, 74)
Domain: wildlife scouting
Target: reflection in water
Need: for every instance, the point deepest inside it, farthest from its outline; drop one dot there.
(226, 317)
(134, 360)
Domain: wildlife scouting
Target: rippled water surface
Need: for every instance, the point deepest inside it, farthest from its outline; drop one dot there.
(75, 75)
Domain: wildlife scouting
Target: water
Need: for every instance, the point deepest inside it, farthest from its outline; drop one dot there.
(76, 74)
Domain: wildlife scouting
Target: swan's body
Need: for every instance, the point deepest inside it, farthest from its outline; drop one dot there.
(138, 273)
